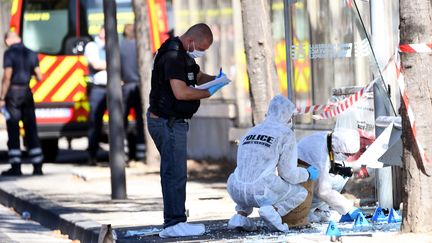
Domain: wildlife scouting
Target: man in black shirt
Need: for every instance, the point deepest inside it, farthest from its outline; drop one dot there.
(131, 88)
(172, 100)
(19, 64)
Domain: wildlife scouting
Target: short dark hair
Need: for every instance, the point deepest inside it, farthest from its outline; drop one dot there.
(128, 31)
(200, 32)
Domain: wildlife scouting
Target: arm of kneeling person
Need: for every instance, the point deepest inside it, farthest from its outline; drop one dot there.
(287, 167)
(332, 197)
(183, 92)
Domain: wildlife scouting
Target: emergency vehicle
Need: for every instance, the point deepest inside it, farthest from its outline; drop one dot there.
(58, 31)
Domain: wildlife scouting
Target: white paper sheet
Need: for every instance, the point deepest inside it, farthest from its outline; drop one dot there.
(219, 80)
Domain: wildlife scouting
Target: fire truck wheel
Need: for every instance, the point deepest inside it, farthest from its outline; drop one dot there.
(50, 149)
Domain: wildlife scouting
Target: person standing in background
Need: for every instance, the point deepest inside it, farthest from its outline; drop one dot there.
(19, 64)
(95, 55)
(131, 88)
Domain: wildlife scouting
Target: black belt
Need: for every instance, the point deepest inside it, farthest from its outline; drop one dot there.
(170, 120)
(99, 85)
(19, 86)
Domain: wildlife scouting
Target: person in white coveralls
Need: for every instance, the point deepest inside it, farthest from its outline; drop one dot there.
(265, 149)
(326, 151)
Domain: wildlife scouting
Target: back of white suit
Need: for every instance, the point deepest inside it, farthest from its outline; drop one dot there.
(265, 149)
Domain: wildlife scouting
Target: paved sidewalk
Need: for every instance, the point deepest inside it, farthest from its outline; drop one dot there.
(14, 229)
(77, 200)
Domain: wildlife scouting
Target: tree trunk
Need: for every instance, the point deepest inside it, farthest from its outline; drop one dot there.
(5, 9)
(259, 55)
(145, 60)
(415, 22)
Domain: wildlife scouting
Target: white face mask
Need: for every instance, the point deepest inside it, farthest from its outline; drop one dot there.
(195, 53)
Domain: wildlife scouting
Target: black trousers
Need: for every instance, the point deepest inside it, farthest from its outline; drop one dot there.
(20, 105)
(132, 99)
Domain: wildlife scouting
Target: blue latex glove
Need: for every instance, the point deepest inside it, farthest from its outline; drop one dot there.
(313, 173)
(213, 89)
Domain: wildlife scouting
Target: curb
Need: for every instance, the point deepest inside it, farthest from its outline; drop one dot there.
(50, 214)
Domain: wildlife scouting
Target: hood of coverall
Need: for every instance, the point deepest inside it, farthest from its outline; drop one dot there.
(280, 110)
(345, 141)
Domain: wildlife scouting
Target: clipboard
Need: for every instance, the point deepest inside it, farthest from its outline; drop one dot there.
(223, 79)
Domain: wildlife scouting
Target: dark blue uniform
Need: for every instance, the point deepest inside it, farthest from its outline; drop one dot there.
(20, 105)
(168, 127)
(131, 92)
(97, 97)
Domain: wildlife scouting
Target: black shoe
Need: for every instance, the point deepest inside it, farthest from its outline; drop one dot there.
(37, 169)
(14, 171)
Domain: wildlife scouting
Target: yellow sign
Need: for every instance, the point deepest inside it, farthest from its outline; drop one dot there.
(37, 17)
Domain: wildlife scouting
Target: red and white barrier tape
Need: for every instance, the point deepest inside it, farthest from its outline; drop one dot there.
(334, 109)
(311, 108)
(345, 103)
(411, 118)
(415, 48)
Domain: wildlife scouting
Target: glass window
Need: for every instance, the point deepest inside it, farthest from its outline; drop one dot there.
(95, 15)
(330, 49)
(45, 25)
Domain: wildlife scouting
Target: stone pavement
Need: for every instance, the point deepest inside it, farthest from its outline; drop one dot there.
(76, 199)
(14, 229)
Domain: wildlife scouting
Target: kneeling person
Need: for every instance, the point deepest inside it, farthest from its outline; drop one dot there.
(268, 147)
(322, 150)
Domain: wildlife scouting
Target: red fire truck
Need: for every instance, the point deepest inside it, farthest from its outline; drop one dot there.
(58, 30)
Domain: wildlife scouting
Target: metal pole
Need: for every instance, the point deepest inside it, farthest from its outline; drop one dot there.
(288, 43)
(115, 106)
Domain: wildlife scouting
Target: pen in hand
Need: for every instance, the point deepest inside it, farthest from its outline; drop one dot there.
(220, 73)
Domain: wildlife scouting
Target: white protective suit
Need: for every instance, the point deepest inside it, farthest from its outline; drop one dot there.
(313, 150)
(268, 147)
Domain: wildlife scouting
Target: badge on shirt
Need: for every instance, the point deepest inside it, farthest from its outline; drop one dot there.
(190, 76)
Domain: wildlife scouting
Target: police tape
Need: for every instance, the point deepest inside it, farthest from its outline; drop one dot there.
(345, 103)
(331, 110)
(311, 108)
(410, 113)
(415, 48)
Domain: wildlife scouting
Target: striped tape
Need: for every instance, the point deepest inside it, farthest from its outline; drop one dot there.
(404, 95)
(415, 48)
(311, 108)
(345, 103)
(333, 109)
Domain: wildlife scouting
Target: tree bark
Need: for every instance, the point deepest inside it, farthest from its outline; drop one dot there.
(415, 22)
(5, 9)
(145, 60)
(259, 56)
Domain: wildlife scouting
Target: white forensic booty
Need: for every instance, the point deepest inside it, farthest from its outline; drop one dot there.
(241, 222)
(272, 219)
(319, 216)
(182, 229)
